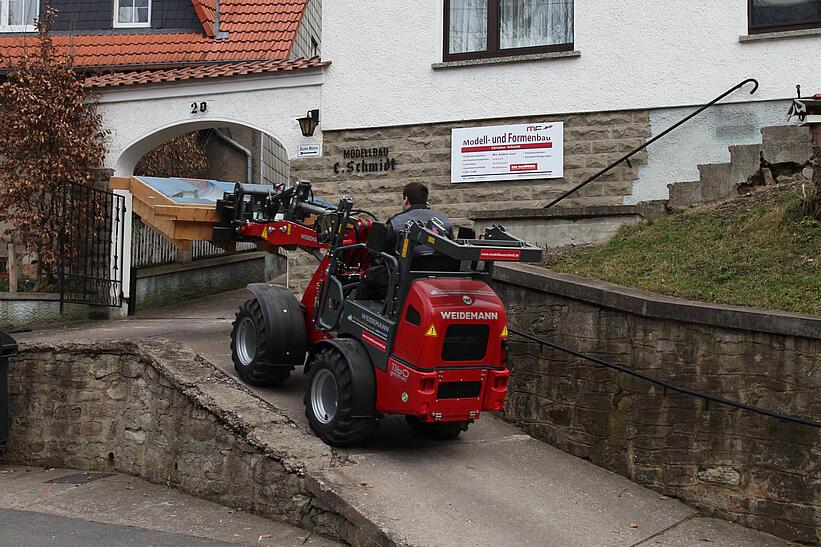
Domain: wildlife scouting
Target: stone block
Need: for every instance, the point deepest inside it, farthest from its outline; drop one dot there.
(720, 475)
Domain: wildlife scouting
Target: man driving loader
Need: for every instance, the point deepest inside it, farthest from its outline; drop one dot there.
(415, 207)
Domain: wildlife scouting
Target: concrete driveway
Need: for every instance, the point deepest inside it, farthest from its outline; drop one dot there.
(493, 486)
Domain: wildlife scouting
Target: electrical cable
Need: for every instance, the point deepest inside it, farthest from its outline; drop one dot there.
(672, 387)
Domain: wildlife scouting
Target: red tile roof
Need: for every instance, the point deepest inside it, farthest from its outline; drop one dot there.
(118, 79)
(257, 30)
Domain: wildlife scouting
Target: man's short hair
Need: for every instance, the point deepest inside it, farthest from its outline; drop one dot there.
(416, 192)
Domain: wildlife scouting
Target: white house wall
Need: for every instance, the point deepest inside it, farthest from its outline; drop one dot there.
(633, 54)
(662, 57)
(141, 118)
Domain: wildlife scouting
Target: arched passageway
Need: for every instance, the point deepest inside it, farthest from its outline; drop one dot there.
(141, 118)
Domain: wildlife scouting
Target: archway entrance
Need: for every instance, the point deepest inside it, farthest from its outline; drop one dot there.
(245, 125)
(141, 118)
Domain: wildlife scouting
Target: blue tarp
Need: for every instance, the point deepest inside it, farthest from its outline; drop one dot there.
(194, 191)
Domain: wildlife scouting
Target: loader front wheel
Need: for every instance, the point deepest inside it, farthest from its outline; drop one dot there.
(438, 431)
(329, 402)
(248, 348)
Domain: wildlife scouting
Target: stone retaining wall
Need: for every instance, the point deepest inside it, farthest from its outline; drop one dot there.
(172, 283)
(169, 416)
(756, 470)
(19, 310)
(423, 153)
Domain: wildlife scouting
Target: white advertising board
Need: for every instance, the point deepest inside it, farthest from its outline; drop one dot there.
(507, 152)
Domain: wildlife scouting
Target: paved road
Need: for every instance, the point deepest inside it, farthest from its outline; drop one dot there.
(494, 486)
(123, 510)
(35, 529)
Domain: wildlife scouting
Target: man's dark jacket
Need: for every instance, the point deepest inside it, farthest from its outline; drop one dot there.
(423, 213)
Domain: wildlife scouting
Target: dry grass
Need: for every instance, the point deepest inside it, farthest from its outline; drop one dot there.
(758, 250)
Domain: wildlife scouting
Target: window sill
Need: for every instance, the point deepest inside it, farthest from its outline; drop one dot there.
(131, 25)
(512, 59)
(17, 29)
(780, 35)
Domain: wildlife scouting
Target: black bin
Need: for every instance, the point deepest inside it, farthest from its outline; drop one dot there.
(8, 349)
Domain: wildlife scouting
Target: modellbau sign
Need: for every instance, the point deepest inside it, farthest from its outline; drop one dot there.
(365, 160)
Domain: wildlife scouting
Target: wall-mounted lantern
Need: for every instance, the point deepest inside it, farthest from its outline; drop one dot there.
(309, 123)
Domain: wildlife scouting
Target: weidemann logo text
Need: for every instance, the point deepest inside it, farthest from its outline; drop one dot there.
(471, 315)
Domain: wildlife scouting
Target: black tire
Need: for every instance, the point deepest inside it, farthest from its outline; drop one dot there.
(438, 431)
(338, 429)
(248, 348)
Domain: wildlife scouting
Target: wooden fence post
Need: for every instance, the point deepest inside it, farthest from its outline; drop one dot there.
(13, 269)
(815, 129)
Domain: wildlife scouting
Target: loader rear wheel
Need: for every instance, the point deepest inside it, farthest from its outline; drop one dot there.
(248, 348)
(438, 431)
(329, 402)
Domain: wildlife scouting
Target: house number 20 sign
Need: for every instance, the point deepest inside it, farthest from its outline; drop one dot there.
(198, 108)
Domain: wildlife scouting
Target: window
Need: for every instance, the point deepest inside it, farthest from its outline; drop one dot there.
(132, 13)
(777, 15)
(18, 15)
(498, 28)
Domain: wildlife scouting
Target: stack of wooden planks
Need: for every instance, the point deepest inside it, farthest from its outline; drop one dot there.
(182, 221)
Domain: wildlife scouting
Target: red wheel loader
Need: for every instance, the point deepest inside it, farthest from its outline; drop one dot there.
(414, 330)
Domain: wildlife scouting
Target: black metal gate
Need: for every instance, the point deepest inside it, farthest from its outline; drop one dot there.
(91, 246)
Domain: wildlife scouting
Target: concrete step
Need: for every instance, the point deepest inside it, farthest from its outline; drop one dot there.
(787, 144)
(685, 194)
(745, 159)
(717, 182)
(777, 134)
(715, 171)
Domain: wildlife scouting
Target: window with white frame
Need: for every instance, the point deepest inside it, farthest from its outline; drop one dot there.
(132, 13)
(19, 15)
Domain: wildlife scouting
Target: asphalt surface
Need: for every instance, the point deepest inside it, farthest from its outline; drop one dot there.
(34, 529)
(493, 486)
(124, 510)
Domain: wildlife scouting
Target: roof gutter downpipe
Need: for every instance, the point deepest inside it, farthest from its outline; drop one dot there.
(218, 34)
(249, 158)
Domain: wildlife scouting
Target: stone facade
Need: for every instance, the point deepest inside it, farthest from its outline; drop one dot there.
(753, 469)
(423, 153)
(168, 416)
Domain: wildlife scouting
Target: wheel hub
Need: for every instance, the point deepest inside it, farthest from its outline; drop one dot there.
(324, 396)
(246, 341)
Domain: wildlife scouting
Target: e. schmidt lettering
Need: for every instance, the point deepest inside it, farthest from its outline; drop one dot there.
(370, 160)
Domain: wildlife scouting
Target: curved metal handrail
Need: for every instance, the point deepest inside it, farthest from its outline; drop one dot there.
(654, 139)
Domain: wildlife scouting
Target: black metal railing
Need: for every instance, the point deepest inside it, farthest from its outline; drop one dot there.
(91, 246)
(667, 386)
(626, 157)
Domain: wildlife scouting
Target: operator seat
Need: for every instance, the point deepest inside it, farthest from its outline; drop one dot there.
(374, 284)
(429, 261)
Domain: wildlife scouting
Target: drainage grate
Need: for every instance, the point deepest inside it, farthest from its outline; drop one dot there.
(80, 478)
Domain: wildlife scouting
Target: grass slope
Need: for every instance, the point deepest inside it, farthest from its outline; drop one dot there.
(757, 250)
